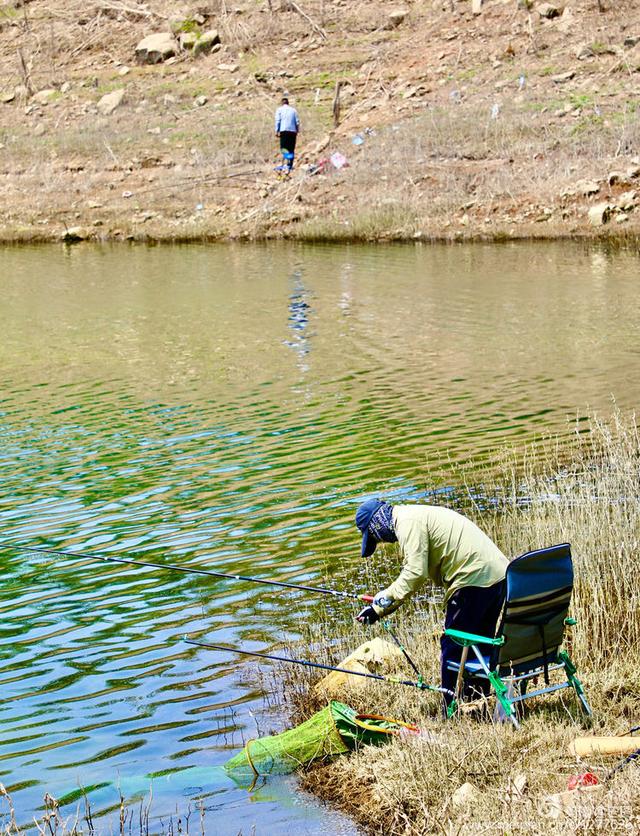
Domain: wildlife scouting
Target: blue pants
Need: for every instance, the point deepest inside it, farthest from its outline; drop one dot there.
(473, 609)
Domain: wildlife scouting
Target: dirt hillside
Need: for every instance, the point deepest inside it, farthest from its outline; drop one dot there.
(458, 119)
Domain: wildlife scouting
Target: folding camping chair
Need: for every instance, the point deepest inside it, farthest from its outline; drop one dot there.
(527, 643)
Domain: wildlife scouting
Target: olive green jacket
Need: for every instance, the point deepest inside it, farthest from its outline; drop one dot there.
(441, 546)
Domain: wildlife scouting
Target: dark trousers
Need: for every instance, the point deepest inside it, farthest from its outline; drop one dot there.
(288, 141)
(472, 609)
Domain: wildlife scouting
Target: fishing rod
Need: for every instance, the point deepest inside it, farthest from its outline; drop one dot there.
(209, 572)
(386, 626)
(422, 686)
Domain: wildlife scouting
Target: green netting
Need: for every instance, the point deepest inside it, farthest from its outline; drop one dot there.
(334, 730)
(278, 754)
(363, 729)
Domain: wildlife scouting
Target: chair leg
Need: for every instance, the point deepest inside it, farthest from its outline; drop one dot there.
(460, 679)
(572, 679)
(502, 695)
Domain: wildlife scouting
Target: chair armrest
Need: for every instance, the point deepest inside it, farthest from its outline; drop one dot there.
(471, 638)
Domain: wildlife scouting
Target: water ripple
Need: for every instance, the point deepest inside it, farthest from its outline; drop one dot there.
(227, 408)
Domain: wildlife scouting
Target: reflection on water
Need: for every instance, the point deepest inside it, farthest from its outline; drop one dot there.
(228, 407)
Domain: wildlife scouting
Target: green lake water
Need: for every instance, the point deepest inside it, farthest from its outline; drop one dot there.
(228, 407)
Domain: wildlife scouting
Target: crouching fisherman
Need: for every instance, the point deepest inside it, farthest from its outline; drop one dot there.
(444, 547)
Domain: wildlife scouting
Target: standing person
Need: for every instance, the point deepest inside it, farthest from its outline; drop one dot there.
(287, 130)
(442, 546)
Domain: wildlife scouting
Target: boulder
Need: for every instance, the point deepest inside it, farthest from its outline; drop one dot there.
(229, 68)
(200, 101)
(375, 656)
(207, 42)
(156, 48)
(188, 39)
(7, 98)
(549, 10)
(599, 214)
(476, 7)
(73, 234)
(397, 16)
(586, 187)
(43, 97)
(110, 101)
(627, 200)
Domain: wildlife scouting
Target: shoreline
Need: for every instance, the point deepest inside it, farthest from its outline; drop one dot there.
(622, 238)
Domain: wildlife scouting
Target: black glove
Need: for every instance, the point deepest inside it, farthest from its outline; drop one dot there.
(367, 616)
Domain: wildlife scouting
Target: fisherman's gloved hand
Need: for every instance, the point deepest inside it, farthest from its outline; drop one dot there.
(368, 616)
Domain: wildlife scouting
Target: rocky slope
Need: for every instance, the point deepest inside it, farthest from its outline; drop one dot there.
(458, 119)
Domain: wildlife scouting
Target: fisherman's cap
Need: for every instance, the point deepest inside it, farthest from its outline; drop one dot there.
(363, 518)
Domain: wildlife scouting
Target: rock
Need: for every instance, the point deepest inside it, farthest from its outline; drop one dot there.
(124, 70)
(586, 187)
(584, 51)
(633, 173)
(631, 41)
(39, 130)
(200, 101)
(476, 7)
(7, 98)
(568, 23)
(110, 101)
(156, 48)
(229, 68)
(465, 796)
(599, 215)
(549, 10)
(72, 234)
(627, 200)
(64, 88)
(562, 78)
(397, 16)
(375, 656)
(207, 42)
(43, 97)
(516, 788)
(615, 177)
(188, 39)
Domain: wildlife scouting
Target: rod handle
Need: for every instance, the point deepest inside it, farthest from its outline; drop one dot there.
(367, 598)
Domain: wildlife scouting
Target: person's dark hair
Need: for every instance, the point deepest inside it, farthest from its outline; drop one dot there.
(285, 100)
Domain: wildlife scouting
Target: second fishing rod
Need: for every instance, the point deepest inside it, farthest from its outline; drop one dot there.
(225, 575)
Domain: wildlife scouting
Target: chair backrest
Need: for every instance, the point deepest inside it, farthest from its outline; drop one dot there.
(539, 586)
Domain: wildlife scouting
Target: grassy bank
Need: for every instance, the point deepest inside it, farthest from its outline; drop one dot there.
(582, 489)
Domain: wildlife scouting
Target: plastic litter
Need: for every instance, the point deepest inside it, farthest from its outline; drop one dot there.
(358, 139)
(338, 160)
(585, 779)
